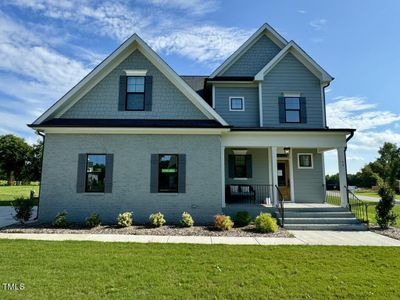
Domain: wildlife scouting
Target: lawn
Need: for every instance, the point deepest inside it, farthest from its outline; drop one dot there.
(92, 270)
(8, 193)
(372, 213)
(371, 193)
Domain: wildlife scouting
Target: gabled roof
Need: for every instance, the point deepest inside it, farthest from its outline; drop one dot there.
(106, 66)
(264, 29)
(196, 83)
(302, 56)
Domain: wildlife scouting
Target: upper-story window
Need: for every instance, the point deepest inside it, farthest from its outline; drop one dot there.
(292, 110)
(236, 103)
(135, 93)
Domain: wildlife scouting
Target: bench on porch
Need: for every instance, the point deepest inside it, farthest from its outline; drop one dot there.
(236, 193)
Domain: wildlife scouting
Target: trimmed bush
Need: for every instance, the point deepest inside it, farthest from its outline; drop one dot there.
(125, 219)
(243, 218)
(187, 220)
(60, 220)
(157, 219)
(23, 209)
(223, 222)
(93, 221)
(265, 223)
(384, 209)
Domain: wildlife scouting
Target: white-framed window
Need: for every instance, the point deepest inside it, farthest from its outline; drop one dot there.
(236, 103)
(305, 161)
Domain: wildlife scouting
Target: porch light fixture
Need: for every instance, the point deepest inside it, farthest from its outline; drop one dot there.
(286, 150)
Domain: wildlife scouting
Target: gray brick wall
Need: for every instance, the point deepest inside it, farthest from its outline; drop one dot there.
(290, 75)
(254, 59)
(102, 100)
(247, 118)
(131, 180)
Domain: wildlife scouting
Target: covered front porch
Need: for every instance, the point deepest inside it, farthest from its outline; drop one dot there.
(262, 169)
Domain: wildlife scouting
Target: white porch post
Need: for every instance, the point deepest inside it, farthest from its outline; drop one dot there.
(223, 176)
(342, 175)
(274, 169)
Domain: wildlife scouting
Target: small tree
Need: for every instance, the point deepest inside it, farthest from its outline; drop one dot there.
(384, 212)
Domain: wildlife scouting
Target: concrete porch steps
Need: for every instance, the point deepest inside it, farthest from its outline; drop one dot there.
(321, 218)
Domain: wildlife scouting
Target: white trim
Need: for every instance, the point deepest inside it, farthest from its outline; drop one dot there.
(342, 175)
(240, 151)
(291, 176)
(302, 56)
(129, 130)
(106, 66)
(230, 103)
(213, 96)
(240, 178)
(260, 104)
(264, 29)
(135, 72)
(274, 163)
(269, 166)
(298, 161)
(223, 176)
(291, 94)
(323, 104)
(323, 173)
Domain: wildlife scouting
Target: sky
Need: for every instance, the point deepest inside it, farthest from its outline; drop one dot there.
(47, 46)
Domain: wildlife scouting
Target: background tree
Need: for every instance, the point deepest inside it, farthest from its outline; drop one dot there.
(13, 156)
(33, 164)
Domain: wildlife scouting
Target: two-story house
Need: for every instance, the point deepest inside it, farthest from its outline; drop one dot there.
(135, 136)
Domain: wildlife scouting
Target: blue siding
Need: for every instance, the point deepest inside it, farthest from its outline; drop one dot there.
(247, 118)
(290, 75)
(254, 59)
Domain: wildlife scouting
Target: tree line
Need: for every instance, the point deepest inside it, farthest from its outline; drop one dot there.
(19, 161)
(386, 168)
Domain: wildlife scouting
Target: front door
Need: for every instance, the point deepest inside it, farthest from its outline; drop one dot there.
(283, 179)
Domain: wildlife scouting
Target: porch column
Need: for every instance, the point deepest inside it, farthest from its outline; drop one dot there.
(223, 204)
(342, 175)
(274, 169)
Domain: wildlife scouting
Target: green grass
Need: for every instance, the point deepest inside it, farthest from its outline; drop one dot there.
(92, 270)
(9, 193)
(371, 193)
(372, 213)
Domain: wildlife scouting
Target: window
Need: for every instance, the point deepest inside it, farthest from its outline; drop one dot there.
(95, 173)
(292, 109)
(236, 103)
(135, 93)
(304, 160)
(168, 173)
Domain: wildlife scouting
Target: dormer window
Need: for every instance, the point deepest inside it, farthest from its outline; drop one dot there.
(135, 93)
(236, 103)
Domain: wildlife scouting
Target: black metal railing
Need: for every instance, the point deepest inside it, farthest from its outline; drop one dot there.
(358, 207)
(249, 193)
(281, 207)
(333, 197)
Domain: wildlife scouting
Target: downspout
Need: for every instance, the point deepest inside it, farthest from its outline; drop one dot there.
(323, 95)
(41, 173)
(345, 164)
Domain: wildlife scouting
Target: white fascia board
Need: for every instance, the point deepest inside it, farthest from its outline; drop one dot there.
(302, 56)
(133, 43)
(265, 29)
(301, 139)
(129, 130)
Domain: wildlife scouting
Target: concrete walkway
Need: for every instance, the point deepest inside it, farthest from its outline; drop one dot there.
(334, 238)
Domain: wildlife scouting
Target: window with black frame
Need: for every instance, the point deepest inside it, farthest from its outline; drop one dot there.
(135, 93)
(292, 109)
(240, 168)
(168, 173)
(95, 172)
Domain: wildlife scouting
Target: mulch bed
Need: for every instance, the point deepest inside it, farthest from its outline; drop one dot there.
(392, 232)
(247, 231)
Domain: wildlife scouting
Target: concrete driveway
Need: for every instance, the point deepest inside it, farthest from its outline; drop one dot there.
(7, 213)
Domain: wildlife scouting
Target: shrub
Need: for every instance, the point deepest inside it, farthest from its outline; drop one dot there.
(157, 219)
(223, 222)
(187, 220)
(265, 223)
(384, 209)
(23, 209)
(125, 219)
(60, 220)
(93, 221)
(242, 218)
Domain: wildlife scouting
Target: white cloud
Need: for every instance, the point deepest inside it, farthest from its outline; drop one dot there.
(318, 24)
(194, 7)
(302, 11)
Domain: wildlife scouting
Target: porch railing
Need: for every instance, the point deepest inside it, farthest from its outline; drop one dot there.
(358, 207)
(281, 207)
(249, 193)
(333, 197)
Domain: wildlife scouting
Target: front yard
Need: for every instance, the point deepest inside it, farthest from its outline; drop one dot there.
(9, 193)
(90, 270)
(371, 193)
